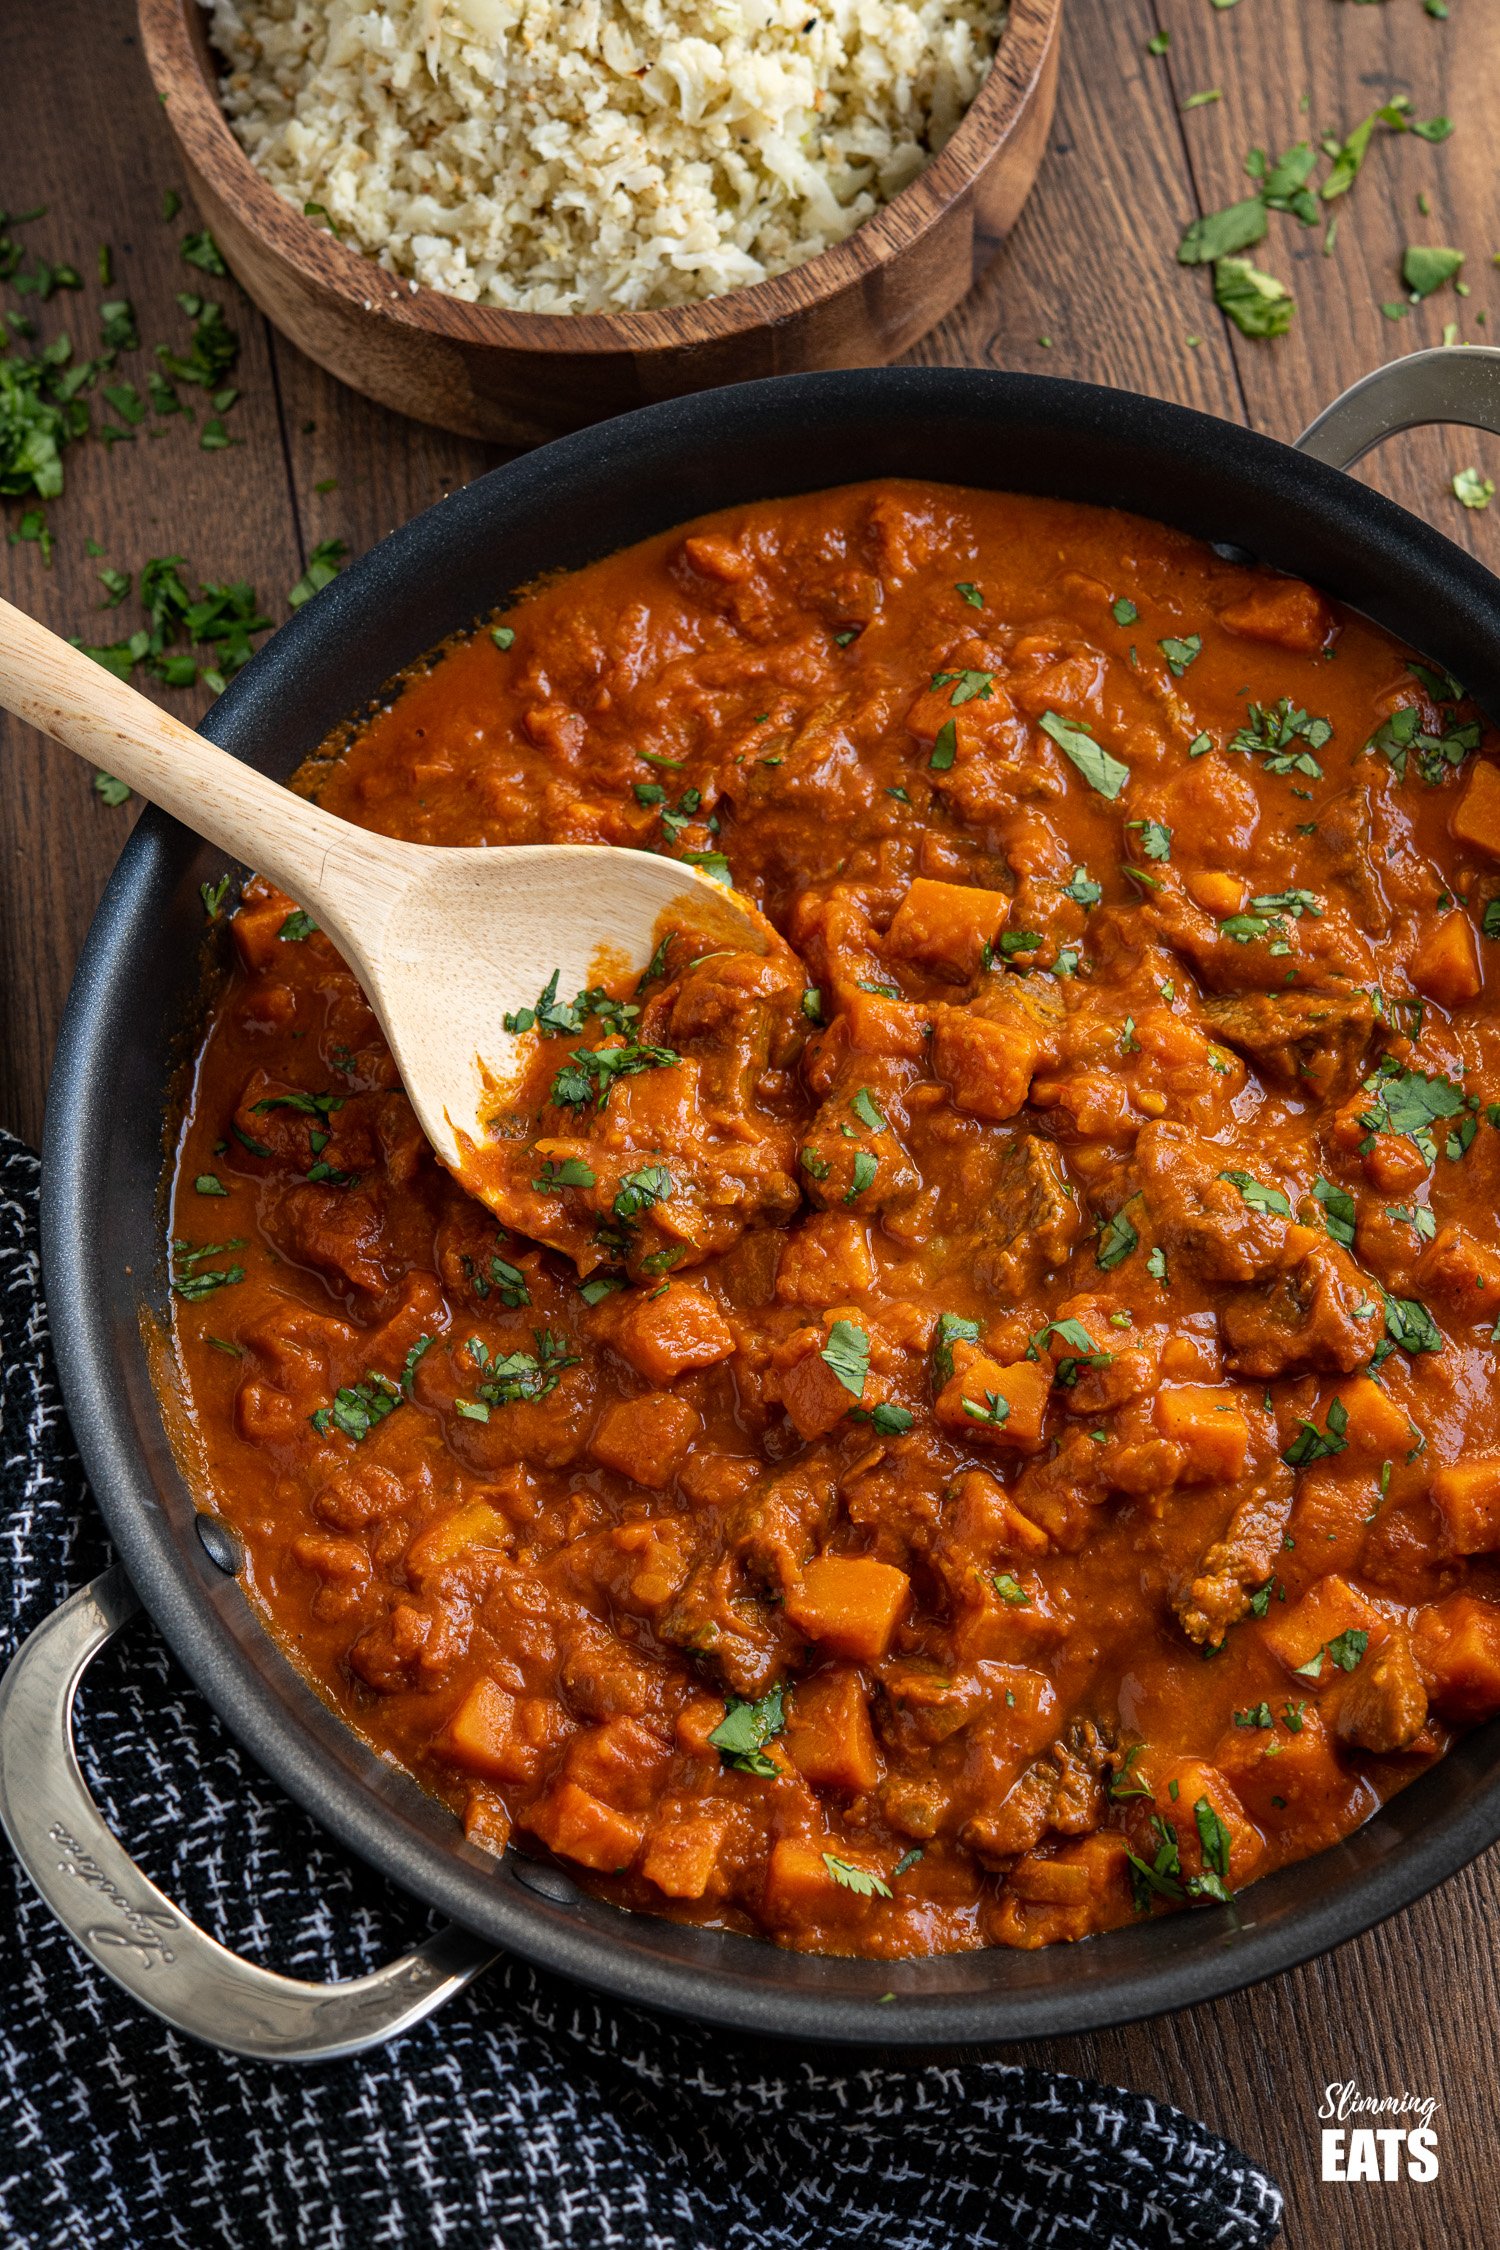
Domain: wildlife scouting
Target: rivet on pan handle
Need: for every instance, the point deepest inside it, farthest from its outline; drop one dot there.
(1446, 385)
(127, 1926)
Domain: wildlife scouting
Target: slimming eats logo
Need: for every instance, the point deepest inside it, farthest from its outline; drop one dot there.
(1378, 2136)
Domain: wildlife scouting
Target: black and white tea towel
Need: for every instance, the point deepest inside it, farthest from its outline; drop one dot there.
(524, 2116)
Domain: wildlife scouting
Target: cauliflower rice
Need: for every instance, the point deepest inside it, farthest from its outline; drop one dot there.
(561, 156)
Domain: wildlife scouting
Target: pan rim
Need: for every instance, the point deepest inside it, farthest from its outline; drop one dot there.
(636, 1958)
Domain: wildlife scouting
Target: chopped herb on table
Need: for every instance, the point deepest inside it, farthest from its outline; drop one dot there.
(1424, 269)
(1257, 303)
(323, 566)
(1474, 490)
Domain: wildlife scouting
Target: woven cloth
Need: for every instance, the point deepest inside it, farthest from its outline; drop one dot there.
(525, 2116)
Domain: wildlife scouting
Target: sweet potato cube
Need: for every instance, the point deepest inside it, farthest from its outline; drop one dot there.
(1333, 1607)
(1217, 892)
(877, 1025)
(1005, 1615)
(1467, 1497)
(1283, 612)
(1195, 1780)
(798, 1881)
(474, 1529)
(576, 1826)
(1210, 1428)
(1463, 1272)
(987, 1065)
(946, 925)
(1378, 1429)
(620, 1762)
(828, 1732)
(988, 1403)
(645, 1438)
(986, 1521)
(825, 1261)
(1447, 966)
(1328, 1525)
(1051, 1881)
(811, 1392)
(851, 1604)
(682, 1856)
(713, 556)
(1296, 1764)
(1075, 1890)
(500, 1736)
(1476, 816)
(663, 1334)
(1457, 1647)
(256, 930)
(931, 712)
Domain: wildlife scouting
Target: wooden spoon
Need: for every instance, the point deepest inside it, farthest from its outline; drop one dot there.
(444, 942)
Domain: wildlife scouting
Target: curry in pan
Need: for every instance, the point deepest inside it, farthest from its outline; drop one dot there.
(1003, 1439)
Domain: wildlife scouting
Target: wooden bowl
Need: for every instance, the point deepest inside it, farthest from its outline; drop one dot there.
(522, 377)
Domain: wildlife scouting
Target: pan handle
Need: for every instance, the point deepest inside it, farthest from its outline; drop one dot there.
(1450, 384)
(127, 1927)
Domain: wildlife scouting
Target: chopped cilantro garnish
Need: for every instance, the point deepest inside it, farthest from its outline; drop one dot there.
(856, 1879)
(1313, 1444)
(1424, 267)
(323, 565)
(1257, 303)
(1338, 1210)
(1116, 1242)
(358, 1407)
(1101, 771)
(966, 686)
(847, 1352)
(1257, 1197)
(572, 1172)
(951, 1329)
(742, 1734)
(192, 1279)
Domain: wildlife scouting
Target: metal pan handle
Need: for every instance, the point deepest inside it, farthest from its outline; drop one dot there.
(127, 1927)
(1457, 384)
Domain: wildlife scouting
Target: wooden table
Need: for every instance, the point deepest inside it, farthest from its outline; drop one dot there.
(1088, 287)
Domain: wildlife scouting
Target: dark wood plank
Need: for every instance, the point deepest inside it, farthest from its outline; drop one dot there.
(1273, 56)
(1084, 267)
(358, 469)
(97, 151)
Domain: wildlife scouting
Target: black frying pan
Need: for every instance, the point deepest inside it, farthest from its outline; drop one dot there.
(137, 998)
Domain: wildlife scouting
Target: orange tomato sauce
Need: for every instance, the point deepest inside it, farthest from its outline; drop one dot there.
(1009, 1443)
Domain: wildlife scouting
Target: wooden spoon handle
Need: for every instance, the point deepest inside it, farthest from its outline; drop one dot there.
(342, 873)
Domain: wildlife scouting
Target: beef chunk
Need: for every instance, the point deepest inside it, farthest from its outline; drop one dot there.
(1384, 1706)
(1309, 1041)
(1318, 1317)
(1234, 1566)
(1200, 1216)
(1345, 841)
(1032, 1222)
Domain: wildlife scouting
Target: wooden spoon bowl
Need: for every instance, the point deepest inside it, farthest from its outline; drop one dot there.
(446, 944)
(522, 377)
